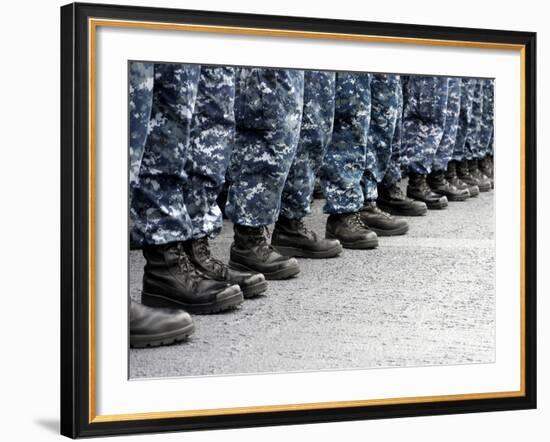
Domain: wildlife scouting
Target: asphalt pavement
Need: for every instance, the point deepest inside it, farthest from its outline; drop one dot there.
(424, 298)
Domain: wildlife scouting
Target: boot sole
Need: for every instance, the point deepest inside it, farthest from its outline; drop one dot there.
(438, 206)
(254, 290)
(412, 212)
(484, 188)
(229, 300)
(392, 232)
(474, 193)
(457, 198)
(301, 253)
(285, 273)
(362, 245)
(167, 338)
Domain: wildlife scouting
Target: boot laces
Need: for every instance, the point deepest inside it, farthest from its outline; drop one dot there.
(424, 187)
(451, 172)
(206, 256)
(304, 230)
(184, 264)
(396, 192)
(260, 240)
(354, 220)
(373, 207)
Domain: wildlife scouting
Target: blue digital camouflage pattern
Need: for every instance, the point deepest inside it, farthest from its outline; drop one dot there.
(491, 93)
(393, 172)
(268, 114)
(140, 97)
(345, 159)
(403, 158)
(423, 120)
(472, 145)
(157, 206)
(487, 119)
(465, 117)
(315, 134)
(385, 109)
(211, 141)
(444, 152)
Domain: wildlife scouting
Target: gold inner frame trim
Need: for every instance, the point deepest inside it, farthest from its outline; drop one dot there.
(93, 24)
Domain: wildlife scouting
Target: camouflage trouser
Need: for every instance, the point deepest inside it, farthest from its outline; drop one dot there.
(211, 142)
(423, 120)
(315, 134)
(400, 160)
(444, 152)
(393, 172)
(345, 159)
(487, 119)
(140, 95)
(184, 155)
(465, 117)
(472, 147)
(268, 112)
(385, 110)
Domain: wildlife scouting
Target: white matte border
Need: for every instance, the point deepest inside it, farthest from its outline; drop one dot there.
(115, 394)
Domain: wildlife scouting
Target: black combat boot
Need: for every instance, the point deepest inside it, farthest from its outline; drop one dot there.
(419, 190)
(486, 168)
(351, 231)
(251, 252)
(251, 283)
(382, 223)
(453, 179)
(464, 173)
(439, 184)
(292, 238)
(393, 200)
(152, 327)
(484, 182)
(171, 280)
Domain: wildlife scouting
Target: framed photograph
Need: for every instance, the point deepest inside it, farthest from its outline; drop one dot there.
(273, 220)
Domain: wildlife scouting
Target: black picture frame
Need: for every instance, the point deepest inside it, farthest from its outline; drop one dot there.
(75, 219)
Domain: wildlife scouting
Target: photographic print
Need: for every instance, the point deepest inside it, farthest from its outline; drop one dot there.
(308, 220)
(273, 220)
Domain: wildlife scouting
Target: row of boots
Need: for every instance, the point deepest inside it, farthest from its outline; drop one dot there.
(185, 277)
(460, 181)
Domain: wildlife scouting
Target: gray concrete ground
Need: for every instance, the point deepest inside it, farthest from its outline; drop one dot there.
(425, 298)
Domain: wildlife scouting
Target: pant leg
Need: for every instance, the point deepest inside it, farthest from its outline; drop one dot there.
(157, 204)
(403, 158)
(472, 146)
(393, 172)
(140, 97)
(268, 114)
(444, 152)
(211, 141)
(424, 120)
(464, 119)
(344, 162)
(315, 134)
(487, 118)
(384, 116)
